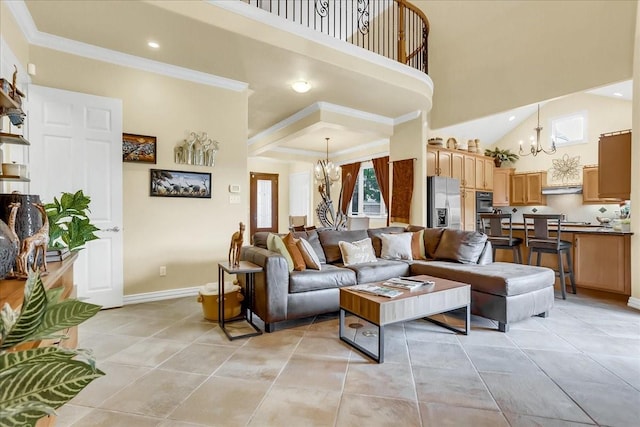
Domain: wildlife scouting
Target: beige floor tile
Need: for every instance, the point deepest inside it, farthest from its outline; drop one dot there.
(253, 363)
(161, 392)
(286, 340)
(438, 355)
(199, 358)
(116, 377)
(106, 321)
(437, 414)
(385, 380)
(295, 406)
(102, 418)
(144, 327)
(184, 331)
(104, 346)
(217, 336)
(323, 346)
(519, 420)
(150, 352)
(70, 413)
(485, 338)
(539, 340)
(227, 402)
(318, 372)
(370, 411)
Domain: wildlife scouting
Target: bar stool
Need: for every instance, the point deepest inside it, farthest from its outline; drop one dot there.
(540, 242)
(493, 226)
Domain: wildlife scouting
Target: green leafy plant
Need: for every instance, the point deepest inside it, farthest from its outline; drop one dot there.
(500, 155)
(69, 225)
(36, 381)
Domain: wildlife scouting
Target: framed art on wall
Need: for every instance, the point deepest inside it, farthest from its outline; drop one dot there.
(170, 183)
(138, 148)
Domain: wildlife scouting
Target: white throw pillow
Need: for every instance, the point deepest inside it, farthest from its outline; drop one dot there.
(357, 252)
(310, 257)
(396, 246)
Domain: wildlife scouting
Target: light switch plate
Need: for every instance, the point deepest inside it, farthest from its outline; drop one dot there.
(234, 199)
(234, 188)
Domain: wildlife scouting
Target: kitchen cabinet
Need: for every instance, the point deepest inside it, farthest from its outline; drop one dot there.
(590, 187)
(603, 262)
(457, 167)
(614, 162)
(502, 186)
(439, 162)
(469, 172)
(468, 209)
(526, 189)
(484, 173)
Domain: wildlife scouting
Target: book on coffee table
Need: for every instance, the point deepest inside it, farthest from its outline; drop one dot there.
(377, 290)
(409, 283)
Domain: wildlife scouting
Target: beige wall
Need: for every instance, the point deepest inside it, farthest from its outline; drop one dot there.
(13, 36)
(635, 172)
(490, 56)
(186, 235)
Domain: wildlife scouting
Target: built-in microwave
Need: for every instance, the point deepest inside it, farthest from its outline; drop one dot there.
(484, 204)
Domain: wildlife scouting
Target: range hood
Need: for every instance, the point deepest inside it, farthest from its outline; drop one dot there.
(562, 189)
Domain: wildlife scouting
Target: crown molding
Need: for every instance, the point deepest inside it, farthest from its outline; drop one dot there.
(406, 117)
(38, 38)
(361, 147)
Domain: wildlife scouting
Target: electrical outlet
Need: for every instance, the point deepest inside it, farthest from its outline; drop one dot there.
(234, 199)
(163, 270)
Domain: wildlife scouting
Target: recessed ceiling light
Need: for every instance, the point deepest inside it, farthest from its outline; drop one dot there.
(617, 94)
(301, 86)
(512, 118)
(154, 45)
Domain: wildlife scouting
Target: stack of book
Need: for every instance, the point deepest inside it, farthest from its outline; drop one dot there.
(57, 255)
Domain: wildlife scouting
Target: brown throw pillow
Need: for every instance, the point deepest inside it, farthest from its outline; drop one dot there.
(461, 246)
(417, 245)
(291, 243)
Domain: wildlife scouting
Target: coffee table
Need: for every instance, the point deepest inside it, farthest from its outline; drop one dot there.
(445, 296)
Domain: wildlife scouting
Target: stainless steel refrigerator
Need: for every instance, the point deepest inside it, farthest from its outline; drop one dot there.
(443, 202)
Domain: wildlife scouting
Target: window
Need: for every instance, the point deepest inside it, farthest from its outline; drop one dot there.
(367, 199)
(571, 129)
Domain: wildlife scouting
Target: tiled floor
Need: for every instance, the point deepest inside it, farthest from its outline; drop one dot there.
(167, 366)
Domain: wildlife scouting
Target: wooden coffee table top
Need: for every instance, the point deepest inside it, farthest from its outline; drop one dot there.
(444, 296)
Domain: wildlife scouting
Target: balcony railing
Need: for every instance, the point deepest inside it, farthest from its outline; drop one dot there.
(392, 28)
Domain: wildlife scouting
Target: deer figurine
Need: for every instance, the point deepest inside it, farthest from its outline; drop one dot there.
(15, 240)
(36, 243)
(234, 248)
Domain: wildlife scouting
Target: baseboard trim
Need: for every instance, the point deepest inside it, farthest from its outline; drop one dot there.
(160, 295)
(634, 303)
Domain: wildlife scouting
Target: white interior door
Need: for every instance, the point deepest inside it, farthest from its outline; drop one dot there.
(76, 144)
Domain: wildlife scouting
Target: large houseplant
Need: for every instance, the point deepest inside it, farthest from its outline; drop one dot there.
(36, 381)
(501, 155)
(69, 224)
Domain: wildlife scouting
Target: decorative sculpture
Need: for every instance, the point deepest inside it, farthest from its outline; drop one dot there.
(325, 210)
(36, 243)
(234, 248)
(197, 149)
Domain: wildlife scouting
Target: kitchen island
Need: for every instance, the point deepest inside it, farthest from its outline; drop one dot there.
(601, 256)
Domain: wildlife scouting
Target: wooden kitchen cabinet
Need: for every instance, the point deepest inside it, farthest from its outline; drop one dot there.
(603, 262)
(439, 162)
(502, 186)
(526, 189)
(484, 173)
(468, 209)
(590, 187)
(469, 172)
(614, 162)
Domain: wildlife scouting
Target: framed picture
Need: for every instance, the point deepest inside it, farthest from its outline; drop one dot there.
(138, 148)
(168, 183)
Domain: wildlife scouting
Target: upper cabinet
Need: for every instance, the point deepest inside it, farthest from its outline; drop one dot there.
(590, 187)
(484, 173)
(502, 186)
(614, 161)
(472, 170)
(526, 189)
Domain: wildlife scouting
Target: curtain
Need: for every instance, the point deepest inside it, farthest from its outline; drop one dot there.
(402, 190)
(381, 168)
(349, 181)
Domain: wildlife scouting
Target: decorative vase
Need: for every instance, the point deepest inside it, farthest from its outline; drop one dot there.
(497, 162)
(28, 219)
(8, 250)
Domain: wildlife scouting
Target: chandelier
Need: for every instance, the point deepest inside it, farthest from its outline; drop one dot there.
(326, 172)
(536, 146)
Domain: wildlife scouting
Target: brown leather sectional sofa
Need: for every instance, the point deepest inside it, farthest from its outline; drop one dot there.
(504, 292)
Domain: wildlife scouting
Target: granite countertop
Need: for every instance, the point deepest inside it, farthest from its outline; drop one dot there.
(581, 228)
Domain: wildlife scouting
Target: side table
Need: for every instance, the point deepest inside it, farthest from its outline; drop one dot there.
(250, 269)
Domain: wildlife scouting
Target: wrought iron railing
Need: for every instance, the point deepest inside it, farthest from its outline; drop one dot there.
(393, 28)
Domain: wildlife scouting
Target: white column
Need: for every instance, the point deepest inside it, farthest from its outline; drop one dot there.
(634, 301)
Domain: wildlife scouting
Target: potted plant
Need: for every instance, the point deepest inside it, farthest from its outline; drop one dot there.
(69, 224)
(499, 155)
(36, 381)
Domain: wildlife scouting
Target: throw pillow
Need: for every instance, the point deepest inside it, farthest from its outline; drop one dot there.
(281, 248)
(271, 244)
(461, 246)
(417, 245)
(291, 243)
(310, 257)
(396, 246)
(357, 252)
(432, 238)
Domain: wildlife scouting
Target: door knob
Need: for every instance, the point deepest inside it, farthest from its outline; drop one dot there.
(112, 229)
